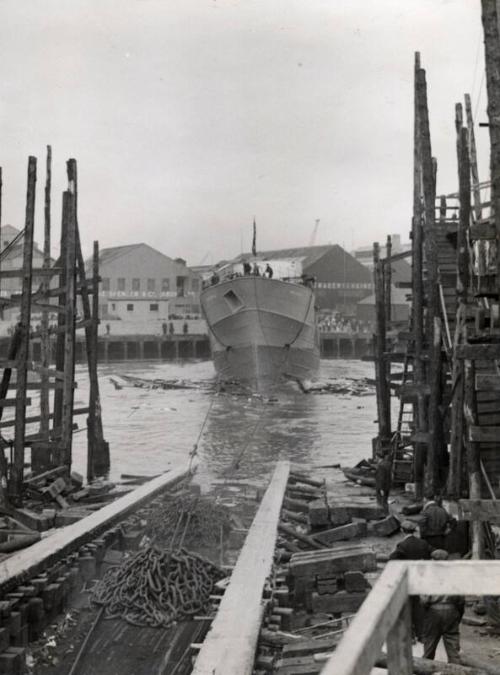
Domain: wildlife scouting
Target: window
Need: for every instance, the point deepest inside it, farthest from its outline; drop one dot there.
(151, 284)
(130, 308)
(105, 283)
(136, 284)
(154, 307)
(165, 284)
(121, 284)
(103, 310)
(195, 285)
(113, 306)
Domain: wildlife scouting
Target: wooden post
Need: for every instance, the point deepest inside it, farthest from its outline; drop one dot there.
(69, 332)
(17, 472)
(480, 245)
(420, 411)
(473, 454)
(463, 275)
(42, 457)
(98, 460)
(1, 195)
(383, 402)
(388, 281)
(492, 61)
(435, 448)
(58, 393)
(399, 644)
(97, 448)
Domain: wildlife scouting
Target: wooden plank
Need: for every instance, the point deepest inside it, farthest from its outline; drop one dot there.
(487, 382)
(37, 272)
(454, 577)
(29, 420)
(482, 231)
(11, 402)
(47, 307)
(367, 632)
(478, 352)
(230, 645)
(479, 509)
(67, 539)
(484, 434)
(17, 468)
(399, 641)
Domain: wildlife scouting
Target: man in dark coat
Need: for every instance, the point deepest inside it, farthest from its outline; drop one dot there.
(412, 548)
(383, 481)
(441, 619)
(436, 522)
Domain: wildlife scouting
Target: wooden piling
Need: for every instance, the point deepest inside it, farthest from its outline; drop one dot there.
(492, 60)
(382, 385)
(69, 325)
(474, 171)
(17, 470)
(42, 457)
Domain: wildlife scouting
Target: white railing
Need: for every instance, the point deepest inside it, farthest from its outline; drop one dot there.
(384, 616)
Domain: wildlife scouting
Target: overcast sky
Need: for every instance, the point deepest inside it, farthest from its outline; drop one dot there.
(189, 117)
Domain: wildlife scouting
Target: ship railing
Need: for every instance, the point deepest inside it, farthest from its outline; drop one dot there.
(385, 617)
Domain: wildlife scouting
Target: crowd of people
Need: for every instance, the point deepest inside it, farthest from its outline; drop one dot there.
(336, 323)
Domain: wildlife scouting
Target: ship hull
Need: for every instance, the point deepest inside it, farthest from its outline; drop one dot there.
(262, 331)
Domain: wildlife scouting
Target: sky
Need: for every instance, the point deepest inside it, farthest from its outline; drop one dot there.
(188, 118)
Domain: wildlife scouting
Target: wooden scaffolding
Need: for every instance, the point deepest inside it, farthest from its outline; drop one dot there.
(68, 292)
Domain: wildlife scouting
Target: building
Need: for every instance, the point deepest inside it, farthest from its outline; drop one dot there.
(364, 254)
(138, 283)
(400, 307)
(341, 280)
(11, 246)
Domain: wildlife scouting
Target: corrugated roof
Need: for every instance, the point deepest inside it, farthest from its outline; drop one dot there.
(113, 252)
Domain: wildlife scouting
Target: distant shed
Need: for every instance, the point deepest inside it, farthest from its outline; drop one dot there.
(400, 306)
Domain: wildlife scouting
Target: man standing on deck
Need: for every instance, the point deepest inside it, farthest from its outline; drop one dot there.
(436, 523)
(383, 481)
(441, 619)
(412, 548)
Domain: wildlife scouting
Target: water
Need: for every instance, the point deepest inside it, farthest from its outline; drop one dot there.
(150, 431)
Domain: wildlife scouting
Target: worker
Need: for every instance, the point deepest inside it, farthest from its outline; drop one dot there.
(436, 523)
(269, 271)
(383, 481)
(256, 270)
(247, 268)
(441, 619)
(412, 548)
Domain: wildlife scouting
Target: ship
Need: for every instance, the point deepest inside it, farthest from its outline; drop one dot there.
(261, 322)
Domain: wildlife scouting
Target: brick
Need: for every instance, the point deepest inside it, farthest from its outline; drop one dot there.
(355, 582)
(384, 527)
(15, 623)
(341, 602)
(364, 510)
(35, 521)
(76, 496)
(342, 533)
(76, 479)
(22, 638)
(318, 513)
(4, 638)
(338, 515)
(12, 661)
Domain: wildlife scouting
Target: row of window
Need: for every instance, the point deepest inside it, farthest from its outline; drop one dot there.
(151, 285)
(342, 285)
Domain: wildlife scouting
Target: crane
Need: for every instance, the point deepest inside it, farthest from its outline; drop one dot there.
(314, 232)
